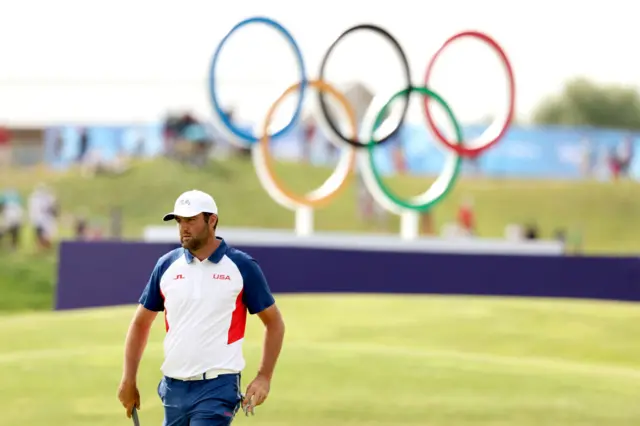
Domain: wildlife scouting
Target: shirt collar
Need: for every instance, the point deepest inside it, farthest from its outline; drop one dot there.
(215, 257)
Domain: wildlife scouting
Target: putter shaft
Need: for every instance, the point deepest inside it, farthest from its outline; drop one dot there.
(134, 416)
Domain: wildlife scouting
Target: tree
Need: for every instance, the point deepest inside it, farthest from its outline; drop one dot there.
(585, 103)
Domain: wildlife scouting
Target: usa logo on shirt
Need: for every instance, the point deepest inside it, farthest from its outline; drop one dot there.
(221, 277)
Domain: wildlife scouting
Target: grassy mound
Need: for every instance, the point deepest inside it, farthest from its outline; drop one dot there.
(607, 213)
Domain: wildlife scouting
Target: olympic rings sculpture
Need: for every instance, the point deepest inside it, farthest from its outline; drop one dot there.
(359, 146)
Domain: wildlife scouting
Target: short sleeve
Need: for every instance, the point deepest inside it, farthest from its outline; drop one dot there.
(151, 297)
(256, 293)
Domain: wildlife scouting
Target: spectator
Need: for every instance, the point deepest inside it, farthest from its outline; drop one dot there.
(531, 232)
(624, 154)
(466, 217)
(309, 133)
(84, 146)
(12, 213)
(196, 137)
(81, 225)
(170, 135)
(58, 146)
(589, 158)
(43, 213)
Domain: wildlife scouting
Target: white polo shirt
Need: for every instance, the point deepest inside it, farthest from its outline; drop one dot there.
(205, 305)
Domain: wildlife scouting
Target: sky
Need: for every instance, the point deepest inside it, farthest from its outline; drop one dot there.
(132, 60)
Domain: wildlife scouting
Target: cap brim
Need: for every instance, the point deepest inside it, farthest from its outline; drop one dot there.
(169, 216)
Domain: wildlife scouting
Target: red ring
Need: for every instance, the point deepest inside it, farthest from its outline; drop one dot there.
(464, 149)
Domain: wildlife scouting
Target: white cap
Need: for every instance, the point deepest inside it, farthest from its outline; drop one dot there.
(192, 203)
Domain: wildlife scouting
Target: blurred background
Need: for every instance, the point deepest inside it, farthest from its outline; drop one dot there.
(106, 117)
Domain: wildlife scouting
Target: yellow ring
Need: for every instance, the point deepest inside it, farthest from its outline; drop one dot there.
(334, 184)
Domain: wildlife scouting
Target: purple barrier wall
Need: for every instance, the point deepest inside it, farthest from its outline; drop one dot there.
(114, 273)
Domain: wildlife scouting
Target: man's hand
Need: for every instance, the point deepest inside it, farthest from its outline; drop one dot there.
(129, 396)
(257, 393)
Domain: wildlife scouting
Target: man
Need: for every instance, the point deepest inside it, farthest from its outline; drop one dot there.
(205, 289)
(43, 212)
(11, 212)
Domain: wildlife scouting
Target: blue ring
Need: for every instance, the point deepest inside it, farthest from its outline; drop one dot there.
(245, 136)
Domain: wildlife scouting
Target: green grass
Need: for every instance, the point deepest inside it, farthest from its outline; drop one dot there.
(357, 360)
(27, 282)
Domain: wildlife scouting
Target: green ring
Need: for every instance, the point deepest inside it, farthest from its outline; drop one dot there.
(453, 174)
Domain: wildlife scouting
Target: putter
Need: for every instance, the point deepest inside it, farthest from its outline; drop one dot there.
(134, 416)
(248, 408)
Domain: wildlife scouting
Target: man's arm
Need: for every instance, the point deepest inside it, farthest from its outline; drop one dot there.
(273, 338)
(136, 342)
(258, 299)
(151, 302)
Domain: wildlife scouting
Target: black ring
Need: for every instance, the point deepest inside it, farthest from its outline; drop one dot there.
(407, 72)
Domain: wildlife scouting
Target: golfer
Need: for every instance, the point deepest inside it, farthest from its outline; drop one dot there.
(205, 289)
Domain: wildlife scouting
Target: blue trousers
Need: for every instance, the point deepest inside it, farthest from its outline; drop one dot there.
(213, 402)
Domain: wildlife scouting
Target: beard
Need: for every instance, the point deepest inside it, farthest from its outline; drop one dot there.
(194, 242)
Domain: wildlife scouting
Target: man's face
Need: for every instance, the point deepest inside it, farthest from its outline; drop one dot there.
(194, 231)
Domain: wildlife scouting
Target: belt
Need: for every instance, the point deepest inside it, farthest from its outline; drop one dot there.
(207, 375)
